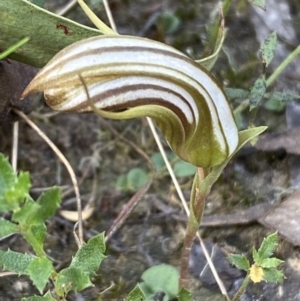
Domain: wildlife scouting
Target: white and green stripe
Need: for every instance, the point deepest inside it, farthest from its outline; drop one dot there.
(124, 72)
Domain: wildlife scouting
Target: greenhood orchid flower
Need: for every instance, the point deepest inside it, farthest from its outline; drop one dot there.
(129, 77)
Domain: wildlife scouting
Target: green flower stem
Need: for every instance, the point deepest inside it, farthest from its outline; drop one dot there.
(241, 107)
(197, 204)
(242, 289)
(282, 66)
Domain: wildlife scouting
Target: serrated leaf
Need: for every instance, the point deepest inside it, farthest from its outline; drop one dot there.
(15, 261)
(49, 201)
(255, 255)
(46, 297)
(38, 212)
(89, 257)
(267, 247)
(7, 228)
(19, 191)
(268, 48)
(260, 3)
(239, 261)
(39, 271)
(48, 32)
(71, 279)
(9, 182)
(273, 275)
(184, 169)
(184, 295)
(35, 235)
(236, 93)
(7, 175)
(136, 294)
(163, 278)
(257, 92)
(26, 213)
(271, 262)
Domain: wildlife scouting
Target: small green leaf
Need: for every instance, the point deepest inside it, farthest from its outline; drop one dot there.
(268, 48)
(257, 92)
(121, 183)
(268, 246)
(273, 275)
(146, 290)
(168, 21)
(163, 278)
(159, 162)
(7, 228)
(49, 201)
(240, 261)
(71, 279)
(13, 189)
(89, 257)
(283, 96)
(184, 295)
(19, 191)
(35, 235)
(133, 181)
(260, 3)
(46, 297)
(25, 214)
(38, 212)
(7, 175)
(39, 271)
(274, 105)
(137, 178)
(15, 261)
(271, 262)
(136, 294)
(184, 169)
(236, 93)
(255, 255)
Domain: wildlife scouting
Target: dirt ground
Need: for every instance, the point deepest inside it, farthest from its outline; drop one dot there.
(154, 232)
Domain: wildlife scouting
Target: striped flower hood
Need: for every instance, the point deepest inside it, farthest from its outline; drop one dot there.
(129, 77)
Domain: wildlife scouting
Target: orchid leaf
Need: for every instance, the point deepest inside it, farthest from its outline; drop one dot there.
(48, 33)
